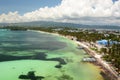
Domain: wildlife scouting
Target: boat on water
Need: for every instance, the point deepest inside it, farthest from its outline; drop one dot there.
(89, 59)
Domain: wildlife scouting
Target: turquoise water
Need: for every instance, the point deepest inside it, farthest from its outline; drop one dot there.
(24, 51)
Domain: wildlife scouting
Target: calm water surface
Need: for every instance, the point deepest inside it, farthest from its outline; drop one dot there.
(24, 51)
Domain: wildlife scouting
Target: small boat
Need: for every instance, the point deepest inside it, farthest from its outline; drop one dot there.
(89, 59)
(80, 47)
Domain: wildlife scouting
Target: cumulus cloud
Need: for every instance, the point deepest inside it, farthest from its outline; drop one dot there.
(77, 11)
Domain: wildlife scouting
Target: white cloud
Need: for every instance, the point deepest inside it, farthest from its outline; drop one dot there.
(78, 11)
(10, 17)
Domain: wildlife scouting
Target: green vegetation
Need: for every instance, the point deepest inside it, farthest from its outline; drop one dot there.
(113, 56)
(103, 50)
(14, 28)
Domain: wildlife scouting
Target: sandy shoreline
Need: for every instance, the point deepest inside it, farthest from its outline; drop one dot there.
(105, 66)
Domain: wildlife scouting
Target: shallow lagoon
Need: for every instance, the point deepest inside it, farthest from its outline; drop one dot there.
(23, 51)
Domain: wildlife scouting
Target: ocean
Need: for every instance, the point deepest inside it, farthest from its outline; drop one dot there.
(24, 51)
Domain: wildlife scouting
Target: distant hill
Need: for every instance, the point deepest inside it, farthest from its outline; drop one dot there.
(59, 24)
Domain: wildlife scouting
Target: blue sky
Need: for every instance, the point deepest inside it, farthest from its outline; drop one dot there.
(23, 6)
(114, 0)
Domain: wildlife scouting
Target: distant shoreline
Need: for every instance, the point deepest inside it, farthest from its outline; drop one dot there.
(105, 72)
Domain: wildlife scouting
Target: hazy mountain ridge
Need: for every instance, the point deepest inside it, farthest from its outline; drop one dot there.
(59, 24)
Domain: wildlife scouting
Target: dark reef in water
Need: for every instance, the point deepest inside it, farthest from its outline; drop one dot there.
(58, 66)
(10, 58)
(30, 75)
(38, 56)
(59, 60)
(31, 44)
